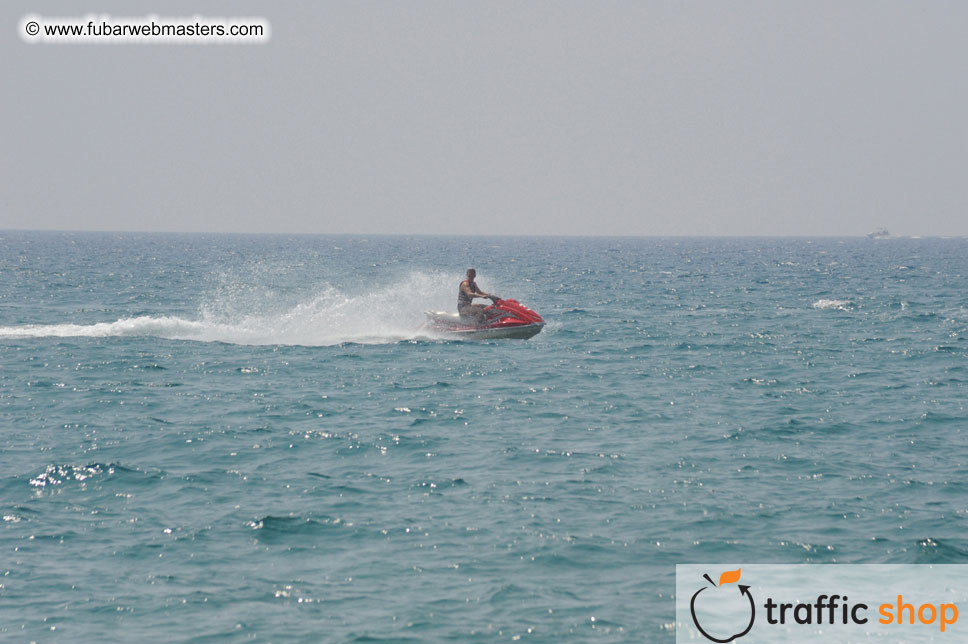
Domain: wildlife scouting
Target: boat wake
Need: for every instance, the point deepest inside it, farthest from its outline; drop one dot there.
(329, 317)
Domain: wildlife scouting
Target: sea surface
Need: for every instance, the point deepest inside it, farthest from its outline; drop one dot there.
(218, 438)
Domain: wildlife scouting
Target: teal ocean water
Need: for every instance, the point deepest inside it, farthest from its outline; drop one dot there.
(249, 438)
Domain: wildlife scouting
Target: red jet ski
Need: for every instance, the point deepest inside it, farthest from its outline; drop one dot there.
(503, 319)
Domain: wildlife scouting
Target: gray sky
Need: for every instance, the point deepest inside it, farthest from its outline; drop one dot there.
(605, 117)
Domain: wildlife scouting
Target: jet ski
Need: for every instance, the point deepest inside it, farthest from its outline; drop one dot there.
(503, 319)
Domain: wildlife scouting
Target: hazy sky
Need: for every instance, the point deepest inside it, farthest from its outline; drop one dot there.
(604, 117)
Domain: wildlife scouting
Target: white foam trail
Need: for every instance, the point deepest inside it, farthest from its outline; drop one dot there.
(144, 325)
(831, 304)
(330, 317)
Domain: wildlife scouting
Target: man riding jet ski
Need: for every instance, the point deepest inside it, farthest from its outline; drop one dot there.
(502, 319)
(470, 312)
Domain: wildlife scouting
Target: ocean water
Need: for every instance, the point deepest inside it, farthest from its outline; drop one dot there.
(250, 438)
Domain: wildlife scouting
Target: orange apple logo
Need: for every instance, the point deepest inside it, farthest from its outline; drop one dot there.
(735, 603)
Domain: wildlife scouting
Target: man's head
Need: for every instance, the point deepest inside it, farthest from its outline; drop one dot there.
(471, 273)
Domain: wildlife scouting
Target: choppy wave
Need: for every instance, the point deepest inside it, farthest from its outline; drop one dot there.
(831, 304)
(56, 474)
(390, 314)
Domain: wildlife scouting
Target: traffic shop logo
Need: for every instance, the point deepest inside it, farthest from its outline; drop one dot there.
(728, 596)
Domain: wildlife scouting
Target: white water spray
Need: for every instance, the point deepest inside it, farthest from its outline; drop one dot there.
(330, 316)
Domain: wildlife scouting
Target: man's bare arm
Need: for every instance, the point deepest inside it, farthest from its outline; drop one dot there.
(478, 293)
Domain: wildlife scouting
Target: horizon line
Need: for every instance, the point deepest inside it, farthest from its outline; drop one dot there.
(480, 235)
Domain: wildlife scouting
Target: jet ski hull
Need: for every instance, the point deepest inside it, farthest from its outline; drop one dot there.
(522, 332)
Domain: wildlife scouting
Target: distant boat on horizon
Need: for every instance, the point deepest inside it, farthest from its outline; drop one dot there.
(880, 233)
